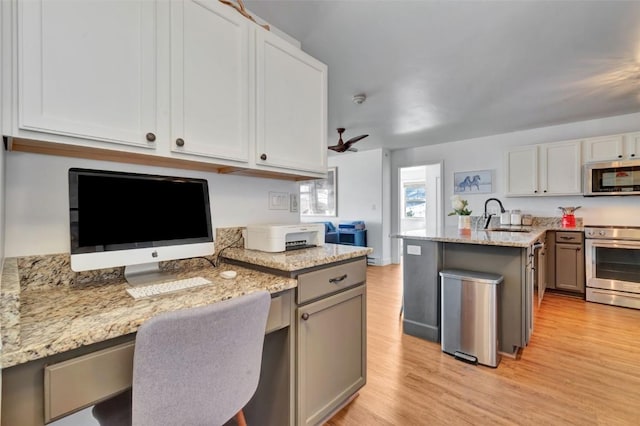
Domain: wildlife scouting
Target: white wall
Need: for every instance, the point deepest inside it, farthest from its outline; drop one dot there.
(2, 178)
(37, 210)
(487, 153)
(360, 197)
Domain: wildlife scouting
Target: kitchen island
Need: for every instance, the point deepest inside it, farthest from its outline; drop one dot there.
(52, 316)
(509, 254)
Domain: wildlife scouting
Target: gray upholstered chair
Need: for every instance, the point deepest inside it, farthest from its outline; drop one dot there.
(197, 366)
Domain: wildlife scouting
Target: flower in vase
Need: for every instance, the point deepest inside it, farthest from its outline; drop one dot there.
(460, 206)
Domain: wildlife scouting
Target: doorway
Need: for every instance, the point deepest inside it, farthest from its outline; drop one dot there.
(419, 200)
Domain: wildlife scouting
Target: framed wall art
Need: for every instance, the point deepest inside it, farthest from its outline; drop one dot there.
(476, 182)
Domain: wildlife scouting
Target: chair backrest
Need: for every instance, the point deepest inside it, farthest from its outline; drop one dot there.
(199, 366)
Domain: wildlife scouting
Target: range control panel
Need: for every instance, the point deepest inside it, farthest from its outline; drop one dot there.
(613, 232)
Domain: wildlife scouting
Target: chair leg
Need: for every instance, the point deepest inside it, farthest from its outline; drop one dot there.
(240, 419)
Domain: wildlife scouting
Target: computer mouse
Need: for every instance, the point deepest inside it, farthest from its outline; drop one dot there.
(228, 274)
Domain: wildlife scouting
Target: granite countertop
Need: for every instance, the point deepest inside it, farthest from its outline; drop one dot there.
(297, 260)
(43, 320)
(495, 238)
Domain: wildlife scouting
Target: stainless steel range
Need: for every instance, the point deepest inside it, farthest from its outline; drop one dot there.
(612, 261)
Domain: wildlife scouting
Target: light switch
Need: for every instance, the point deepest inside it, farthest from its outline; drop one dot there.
(278, 200)
(415, 250)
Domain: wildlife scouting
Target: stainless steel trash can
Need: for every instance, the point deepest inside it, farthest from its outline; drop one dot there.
(469, 315)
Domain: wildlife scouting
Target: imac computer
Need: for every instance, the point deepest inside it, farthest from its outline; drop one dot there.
(137, 220)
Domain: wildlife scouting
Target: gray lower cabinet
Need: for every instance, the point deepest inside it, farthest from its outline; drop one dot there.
(567, 262)
(331, 340)
(46, 389)
(421, 262)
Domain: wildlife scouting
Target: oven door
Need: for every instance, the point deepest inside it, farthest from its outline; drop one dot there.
(613, 265)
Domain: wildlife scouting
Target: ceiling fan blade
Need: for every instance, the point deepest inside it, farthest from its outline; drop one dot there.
(355, 139)
(337, 148)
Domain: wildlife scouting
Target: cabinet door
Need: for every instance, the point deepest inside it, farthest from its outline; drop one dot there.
(331, 353)
(603, 148)
(560, 169)
(569, 267)
(550, 251)
(209, 80)
(291, 109)
(88, 69)
(632, 146)
(541, 271)
(522, 171)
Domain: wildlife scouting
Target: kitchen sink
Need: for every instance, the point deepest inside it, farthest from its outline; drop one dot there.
(507, 230)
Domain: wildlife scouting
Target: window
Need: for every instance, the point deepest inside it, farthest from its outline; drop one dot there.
(415, 203)
(318, 196)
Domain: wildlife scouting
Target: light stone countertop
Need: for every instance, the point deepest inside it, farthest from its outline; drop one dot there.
(297, 260)
(487, 237)
(55, 310)
(40, 321)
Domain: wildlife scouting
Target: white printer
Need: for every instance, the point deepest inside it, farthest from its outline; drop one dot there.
(276, 238)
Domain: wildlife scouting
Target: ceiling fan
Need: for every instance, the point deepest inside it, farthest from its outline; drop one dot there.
(342, 146)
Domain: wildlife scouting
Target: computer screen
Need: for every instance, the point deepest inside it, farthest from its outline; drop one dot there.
(125, 219)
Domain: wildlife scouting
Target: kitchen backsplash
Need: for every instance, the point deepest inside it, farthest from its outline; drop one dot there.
(546, 222)
(54, 270)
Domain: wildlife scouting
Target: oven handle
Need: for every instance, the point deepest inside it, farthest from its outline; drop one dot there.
(606, 293)
(613, 244)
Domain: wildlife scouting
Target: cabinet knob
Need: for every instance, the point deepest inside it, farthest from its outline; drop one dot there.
(180, 142)
(151, 137)
(305, 316)
(263, 157)
(632, 155)
(535, 191)
(545, 190)
(619, 156)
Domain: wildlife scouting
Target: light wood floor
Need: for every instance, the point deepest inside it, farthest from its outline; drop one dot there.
(582, 367)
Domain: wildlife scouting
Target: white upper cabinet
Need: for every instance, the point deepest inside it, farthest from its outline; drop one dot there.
(604, 148)
(560, 168)
(210, 81)
(522, 171)
(544, 170)
(632, 145)
(189, 83)
(611, 148)
(291, 108)
(87, 69)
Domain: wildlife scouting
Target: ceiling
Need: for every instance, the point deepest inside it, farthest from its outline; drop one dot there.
(441, 71)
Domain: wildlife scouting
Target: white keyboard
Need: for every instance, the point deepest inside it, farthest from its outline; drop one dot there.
(166, 287)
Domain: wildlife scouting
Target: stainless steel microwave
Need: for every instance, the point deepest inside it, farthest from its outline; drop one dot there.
(612, 178)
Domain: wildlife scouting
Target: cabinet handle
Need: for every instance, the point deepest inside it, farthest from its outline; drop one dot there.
(263, 157)
(535, 191)
(632, 155)
(545, 190)
(619, 156)
(305, 316)
(566, 238)
(180, 142)
(336, 280)
(151, 137)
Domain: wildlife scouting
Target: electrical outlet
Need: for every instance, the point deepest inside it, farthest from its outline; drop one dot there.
(414, 250)
(293, 203)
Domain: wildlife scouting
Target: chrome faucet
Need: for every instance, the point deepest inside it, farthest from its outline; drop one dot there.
(488, 215)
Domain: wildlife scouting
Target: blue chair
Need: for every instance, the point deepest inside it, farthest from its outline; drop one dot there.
(330, 233)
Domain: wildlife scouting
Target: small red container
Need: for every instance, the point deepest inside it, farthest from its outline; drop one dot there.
(568, 221)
